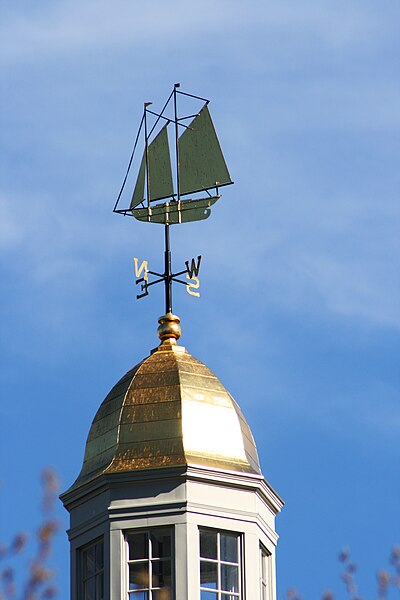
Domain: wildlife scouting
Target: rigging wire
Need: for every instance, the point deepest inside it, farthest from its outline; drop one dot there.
(129, 164)
(161, 115)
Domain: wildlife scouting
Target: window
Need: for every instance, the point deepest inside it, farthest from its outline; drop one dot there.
(264, 574)
(220, 569)
(149, 565)
(92, 571)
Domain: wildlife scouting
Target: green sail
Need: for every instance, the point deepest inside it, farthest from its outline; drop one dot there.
(138, 193)
(201, 162)
(160, 173)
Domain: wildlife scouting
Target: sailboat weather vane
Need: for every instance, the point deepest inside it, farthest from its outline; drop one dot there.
(158, 197)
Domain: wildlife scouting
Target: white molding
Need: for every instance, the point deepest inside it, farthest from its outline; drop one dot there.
(185, 499)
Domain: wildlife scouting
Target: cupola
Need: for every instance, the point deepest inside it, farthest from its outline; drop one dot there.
(170, 503)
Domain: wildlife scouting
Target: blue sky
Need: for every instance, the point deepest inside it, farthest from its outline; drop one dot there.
(299, 314)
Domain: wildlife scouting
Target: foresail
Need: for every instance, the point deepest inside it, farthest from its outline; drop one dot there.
(201, 162)
(160, 173)
(138, 193)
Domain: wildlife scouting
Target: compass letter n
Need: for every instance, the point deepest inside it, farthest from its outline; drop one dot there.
(144, 267)
(138, 270)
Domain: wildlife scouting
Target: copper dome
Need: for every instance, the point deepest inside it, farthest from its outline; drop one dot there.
(169, 410)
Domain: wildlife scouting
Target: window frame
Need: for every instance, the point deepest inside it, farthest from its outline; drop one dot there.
(81, 568)
(265, 572)
(219, 592)
(129, 594)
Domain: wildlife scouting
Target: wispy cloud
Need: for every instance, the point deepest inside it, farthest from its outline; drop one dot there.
(72, 27)
(306, 205)
(300, 292)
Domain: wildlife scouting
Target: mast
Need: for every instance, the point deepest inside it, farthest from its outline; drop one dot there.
(178, 187)
(146, 104)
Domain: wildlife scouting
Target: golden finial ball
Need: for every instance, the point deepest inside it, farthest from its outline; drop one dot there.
(169, 328)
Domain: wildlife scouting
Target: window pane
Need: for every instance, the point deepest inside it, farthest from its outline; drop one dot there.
(164, 594)
(208, 544)
(138, 576)
(89, 590)
(88, 561)
(209, 575)
(229, 547)
(138, 546)
(99, 556)
(161, 573)
(139, 596)
(160, 543)
(264, 592)
(99, 587)
(208, 595)
(229, 578)
(264, 559)
(230, 597)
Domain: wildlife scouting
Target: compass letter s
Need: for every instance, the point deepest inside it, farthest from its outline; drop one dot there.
(192, 284)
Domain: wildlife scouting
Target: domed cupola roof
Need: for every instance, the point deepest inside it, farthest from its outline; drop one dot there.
(169, 410)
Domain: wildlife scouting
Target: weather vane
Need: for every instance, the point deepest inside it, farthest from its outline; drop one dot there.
(160, 197)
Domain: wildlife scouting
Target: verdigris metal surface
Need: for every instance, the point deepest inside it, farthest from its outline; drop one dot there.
(170, 410)
(173, 213)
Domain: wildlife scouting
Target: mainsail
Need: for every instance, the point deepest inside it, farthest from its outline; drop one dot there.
(159, 171)
(201, 162)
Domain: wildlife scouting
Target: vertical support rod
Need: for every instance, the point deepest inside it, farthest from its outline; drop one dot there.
(167, 272)
(167, 254)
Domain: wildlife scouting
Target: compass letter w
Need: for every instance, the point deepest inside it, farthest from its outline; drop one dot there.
(144, 267)
(194, 267)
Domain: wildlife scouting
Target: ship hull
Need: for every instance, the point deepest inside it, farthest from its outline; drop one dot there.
(173, 213)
